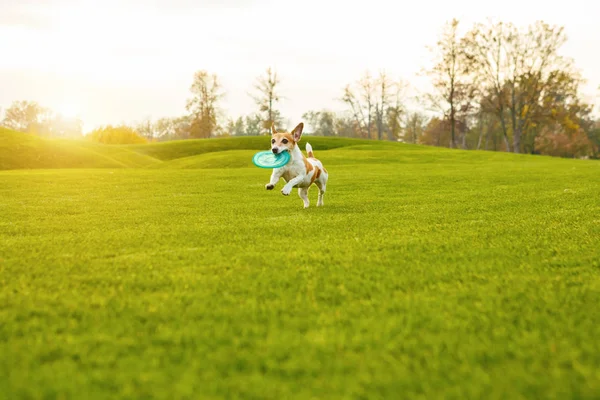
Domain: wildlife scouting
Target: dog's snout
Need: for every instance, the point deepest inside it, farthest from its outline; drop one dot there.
(275, 150)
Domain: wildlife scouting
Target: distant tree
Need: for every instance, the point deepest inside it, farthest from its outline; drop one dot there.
(30, 117)
(165, 128)
(147, 129)
(327, 123)
(27, 117)
(173, 128)
(436, 133)
(454, 88)
(203, 106)
(346, 125)
(367, 87)
(361, 103)
(322, 122)
(414, 126)
(484, 48)
(382, 104)
(236, 127)
(120, 134)
(594, 137)
(562, 124)
(312, 120)
(492, 134)
(483, 126)
(534, 66)
(558, 104)
(393, 122)
(253, 125)
(555, 140)
(374, 104)
(518, 69)
(266, 97)
(395, 111)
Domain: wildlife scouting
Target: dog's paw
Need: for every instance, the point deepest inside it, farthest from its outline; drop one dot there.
(268, 186)
(286, 191)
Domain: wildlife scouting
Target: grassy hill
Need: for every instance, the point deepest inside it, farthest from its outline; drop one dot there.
(185, 148)
(429, 273)
(21, 151)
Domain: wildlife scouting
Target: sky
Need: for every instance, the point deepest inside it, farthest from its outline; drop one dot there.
(114, 61)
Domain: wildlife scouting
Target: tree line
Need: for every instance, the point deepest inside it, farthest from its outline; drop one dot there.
(496, 87)
(508, 88)
(30, 117)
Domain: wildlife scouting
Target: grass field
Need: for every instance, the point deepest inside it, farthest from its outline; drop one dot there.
(167, 271)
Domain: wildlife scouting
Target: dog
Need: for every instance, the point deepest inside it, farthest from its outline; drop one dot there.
(300, 171)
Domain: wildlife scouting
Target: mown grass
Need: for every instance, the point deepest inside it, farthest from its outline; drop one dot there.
(428, 274)
(185, 148)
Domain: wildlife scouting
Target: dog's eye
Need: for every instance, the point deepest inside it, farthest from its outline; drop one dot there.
(273, 141)
(284, 141)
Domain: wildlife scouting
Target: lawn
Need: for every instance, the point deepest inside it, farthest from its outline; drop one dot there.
(429, 273)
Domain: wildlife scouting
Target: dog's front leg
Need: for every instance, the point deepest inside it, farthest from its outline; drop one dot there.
(275, 176)
(287, 189)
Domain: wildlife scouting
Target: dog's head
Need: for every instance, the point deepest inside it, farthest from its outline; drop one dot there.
(284, 141)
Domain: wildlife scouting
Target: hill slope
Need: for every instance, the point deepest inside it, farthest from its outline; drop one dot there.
(22, 151)
(186, 148)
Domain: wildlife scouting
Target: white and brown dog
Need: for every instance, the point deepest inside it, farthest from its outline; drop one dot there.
(300, 171)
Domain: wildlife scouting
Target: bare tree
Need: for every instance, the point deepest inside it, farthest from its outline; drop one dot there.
(266, 98)
(346, 125)
(207, 92)
(361, 102)
(454, 89)
(355, 109)
(395, 109)
(173, 128)
(414, 127)
(147, 129)
(374, 103)
(385, 87)
(367, 92)
(486, 50)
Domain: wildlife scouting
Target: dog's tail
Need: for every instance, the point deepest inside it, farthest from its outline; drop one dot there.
(309, 151)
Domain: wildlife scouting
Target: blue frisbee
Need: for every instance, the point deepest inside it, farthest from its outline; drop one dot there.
(266, 159)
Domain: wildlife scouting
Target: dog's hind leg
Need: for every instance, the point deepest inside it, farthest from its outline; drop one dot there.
(322, 186)
(303, 193)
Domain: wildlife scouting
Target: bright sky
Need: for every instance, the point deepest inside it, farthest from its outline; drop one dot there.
(117, 61)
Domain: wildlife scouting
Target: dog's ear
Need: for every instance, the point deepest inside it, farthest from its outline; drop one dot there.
(273, 130)
(297, 132)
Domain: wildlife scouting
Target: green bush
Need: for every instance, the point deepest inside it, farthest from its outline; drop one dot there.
(116, 135)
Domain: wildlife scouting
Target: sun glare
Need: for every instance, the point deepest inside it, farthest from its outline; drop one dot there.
(68, 110)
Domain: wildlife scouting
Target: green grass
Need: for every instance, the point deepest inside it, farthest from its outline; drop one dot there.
(185, 148)
(428, 274)
(22, 151)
